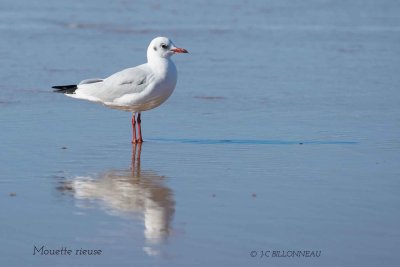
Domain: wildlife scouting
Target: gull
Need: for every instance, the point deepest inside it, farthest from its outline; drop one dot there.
(135, 89)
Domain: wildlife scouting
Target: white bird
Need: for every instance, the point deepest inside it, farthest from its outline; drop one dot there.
(134, 89)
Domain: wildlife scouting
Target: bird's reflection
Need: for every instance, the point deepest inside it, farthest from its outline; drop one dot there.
(133, 191)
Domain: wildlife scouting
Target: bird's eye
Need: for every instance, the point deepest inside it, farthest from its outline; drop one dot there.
(164, 46)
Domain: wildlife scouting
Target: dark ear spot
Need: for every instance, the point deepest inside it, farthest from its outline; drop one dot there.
(155, 48)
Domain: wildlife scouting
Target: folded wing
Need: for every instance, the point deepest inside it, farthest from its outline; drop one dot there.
(128, 81)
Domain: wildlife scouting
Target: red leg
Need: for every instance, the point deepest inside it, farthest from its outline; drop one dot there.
(133, 129)
(140, 139)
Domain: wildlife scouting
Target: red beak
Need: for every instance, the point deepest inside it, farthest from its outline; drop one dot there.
(179, 50)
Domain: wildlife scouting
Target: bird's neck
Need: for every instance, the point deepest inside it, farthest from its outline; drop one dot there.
(159, 65)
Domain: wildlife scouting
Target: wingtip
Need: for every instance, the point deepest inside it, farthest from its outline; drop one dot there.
(67, 89)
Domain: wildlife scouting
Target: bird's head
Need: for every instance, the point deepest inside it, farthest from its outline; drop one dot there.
(163, 47)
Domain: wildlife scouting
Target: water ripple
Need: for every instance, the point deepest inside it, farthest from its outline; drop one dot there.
(251, 141)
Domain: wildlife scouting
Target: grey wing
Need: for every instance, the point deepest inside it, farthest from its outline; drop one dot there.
(88, 81)
(128, 81)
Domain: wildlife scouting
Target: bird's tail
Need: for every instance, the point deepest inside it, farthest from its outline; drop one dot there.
(65, 89)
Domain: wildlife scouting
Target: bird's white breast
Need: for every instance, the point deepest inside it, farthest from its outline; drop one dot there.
(156, 93)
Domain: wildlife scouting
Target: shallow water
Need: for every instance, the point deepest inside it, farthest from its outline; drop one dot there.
(282, 135)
